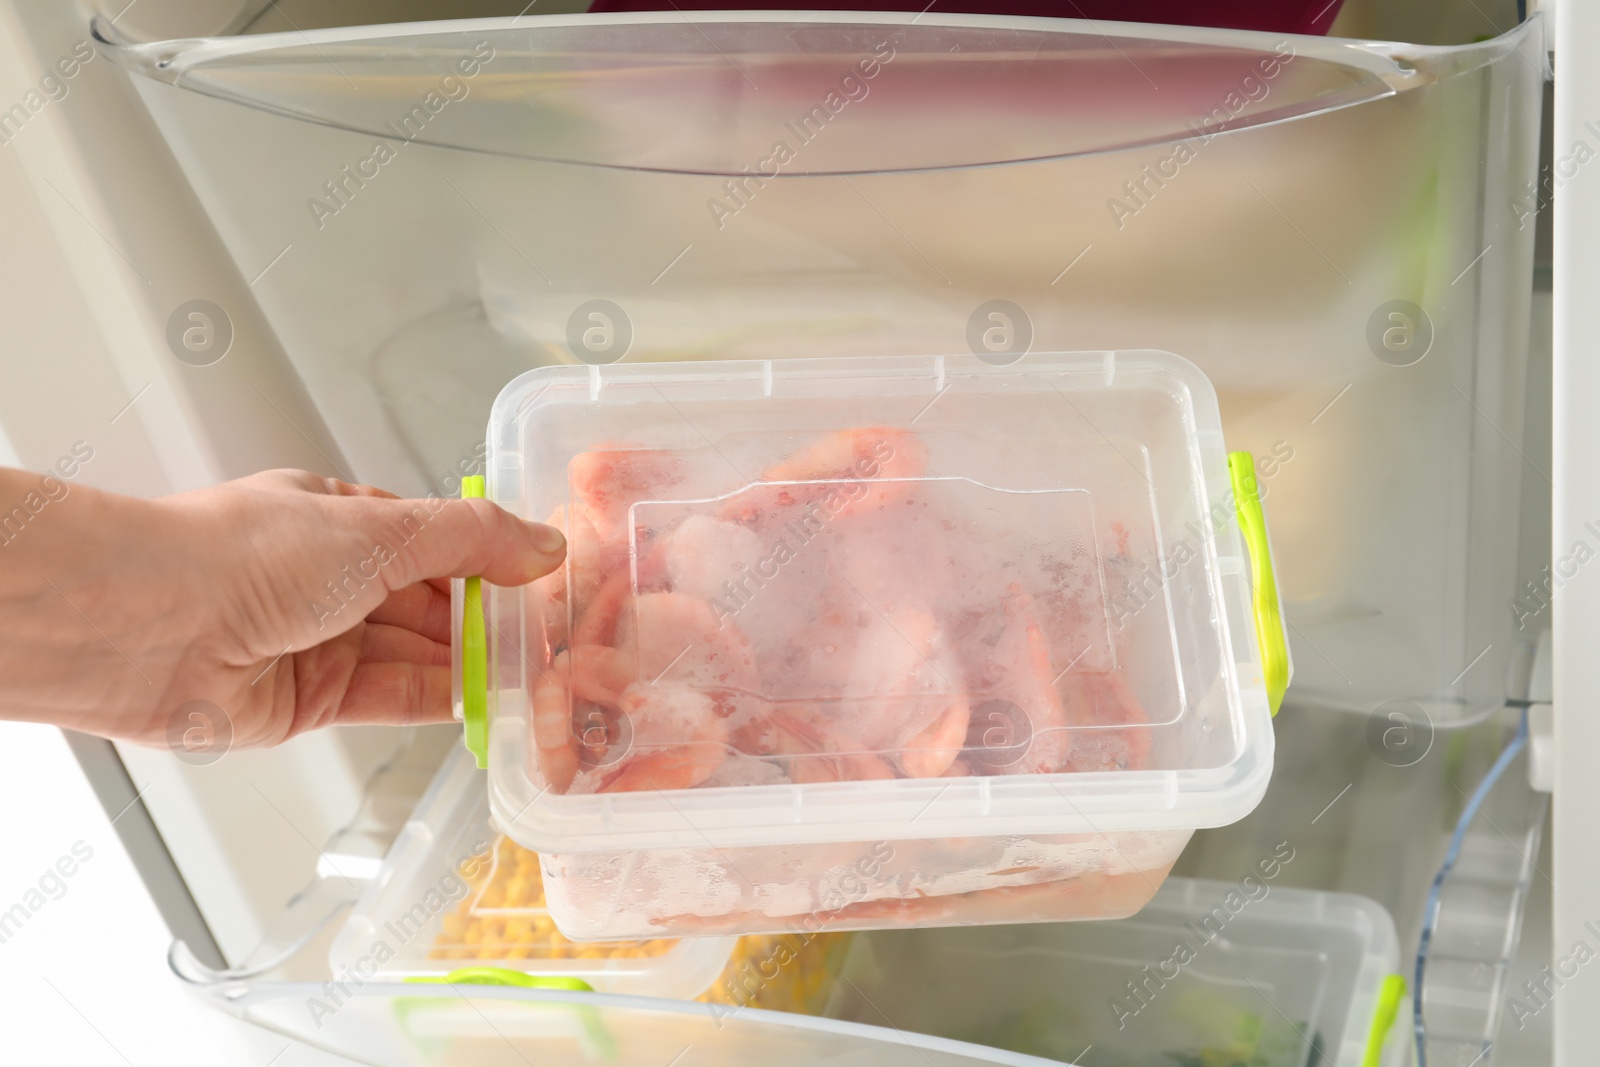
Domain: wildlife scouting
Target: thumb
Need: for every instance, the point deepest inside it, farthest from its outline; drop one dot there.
(437, 538)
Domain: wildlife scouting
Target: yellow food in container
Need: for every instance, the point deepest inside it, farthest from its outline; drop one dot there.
(503, 917)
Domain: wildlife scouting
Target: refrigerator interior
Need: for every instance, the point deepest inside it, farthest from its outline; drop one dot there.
(1403, 492)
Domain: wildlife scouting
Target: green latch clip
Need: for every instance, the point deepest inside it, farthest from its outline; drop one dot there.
(474, 654)
(1390, 995)
(1271, 634)
(504, 976)
(599, 1042)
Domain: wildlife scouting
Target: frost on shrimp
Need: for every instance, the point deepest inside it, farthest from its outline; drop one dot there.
(598, 728)
(677, 742)
(608, 480)
(865, 640)
(813, 749)
(1008, 661)
(676, 639)
(909, 687)
(689, 679)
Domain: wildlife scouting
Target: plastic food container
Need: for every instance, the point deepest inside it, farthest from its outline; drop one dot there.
(1208, 973)
(456, 898)
(897, 641)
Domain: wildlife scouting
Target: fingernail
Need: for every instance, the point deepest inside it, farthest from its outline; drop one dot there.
(547, 539)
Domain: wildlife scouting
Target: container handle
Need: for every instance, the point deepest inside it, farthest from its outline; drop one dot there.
(1267, 606)
(505, 976)
(1390, 994)
(474, 654)
(599, 1042)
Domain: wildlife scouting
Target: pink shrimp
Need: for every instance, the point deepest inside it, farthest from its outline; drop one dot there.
(597, 616)
(555, 745)
(574, 583)
(608, 480)
(691, 677)
(1120, 740)
(812, 751)
(931, 752)
(677, 640)
(678, 740)
(864, 457)
(578, 685)
(913, 691)
(1013, 668)
(591, 709)
(596, 620)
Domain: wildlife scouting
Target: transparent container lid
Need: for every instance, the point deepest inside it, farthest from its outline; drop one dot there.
(821, 599)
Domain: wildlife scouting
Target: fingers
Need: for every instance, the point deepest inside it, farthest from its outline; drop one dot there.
(395, 694)
(394, 644)
(338, 488)
(422, 608)
(462, 538)
(382, 674)
(311, 482)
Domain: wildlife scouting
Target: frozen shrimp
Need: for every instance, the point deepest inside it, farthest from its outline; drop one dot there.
(854, 470)
(813, 749)
(1022, 725)
(911, 691)
(703, 556)
(827, 618)
(590, 709)
(574, 705)
(573, 583)
(677, 741)
(1119, 739)
(608, 480)
(676, 640)
(689, 678)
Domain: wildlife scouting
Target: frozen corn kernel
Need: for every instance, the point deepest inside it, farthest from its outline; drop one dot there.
(780, 972)
(502, 917)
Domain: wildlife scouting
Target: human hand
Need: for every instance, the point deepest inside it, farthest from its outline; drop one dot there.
(288, 600)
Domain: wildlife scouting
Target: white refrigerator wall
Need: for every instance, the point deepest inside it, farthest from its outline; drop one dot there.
(1577, 503)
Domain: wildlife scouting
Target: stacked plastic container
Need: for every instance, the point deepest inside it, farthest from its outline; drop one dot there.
(1208, 973)
(457, 900)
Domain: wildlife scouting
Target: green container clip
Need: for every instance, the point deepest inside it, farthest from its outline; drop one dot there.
(1267, 607)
